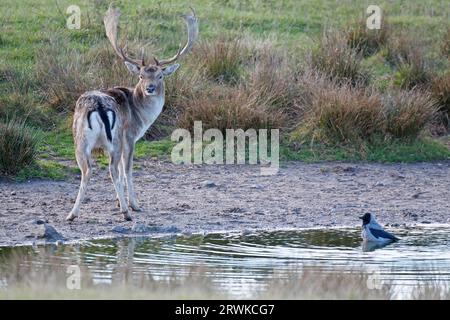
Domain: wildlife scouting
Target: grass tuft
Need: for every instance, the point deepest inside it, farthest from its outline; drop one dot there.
(221, 59)
(407, 113)
(365, 40)
(341, 114)
(228, 108)
(17, 146)
(406, 54)
(445, 46)
(440, 91)
(335, 58)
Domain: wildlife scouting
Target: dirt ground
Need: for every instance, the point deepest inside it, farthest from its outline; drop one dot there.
(191, 199)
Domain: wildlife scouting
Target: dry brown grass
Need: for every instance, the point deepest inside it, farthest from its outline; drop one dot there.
(17, 146)
(17, 100)
(440, 91)
(221, 60)
(273, 78)
(445, 47)
(242, 83)
(64, 76)
(413, 73)
(406, 54)
(407, 113)
(266, 91)
(334, 57)
(399, 48)
(228, 108)
(367, 41)
(342, 114)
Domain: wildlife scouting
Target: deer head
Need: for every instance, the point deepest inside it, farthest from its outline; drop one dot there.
(150, 74)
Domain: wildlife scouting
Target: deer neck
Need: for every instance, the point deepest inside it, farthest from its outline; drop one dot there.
(147, 108)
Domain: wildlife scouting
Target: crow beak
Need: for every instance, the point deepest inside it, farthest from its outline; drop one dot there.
(361, 218)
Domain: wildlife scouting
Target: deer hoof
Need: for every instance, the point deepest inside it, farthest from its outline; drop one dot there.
(135, 208)
(70, 217)
(127, 216)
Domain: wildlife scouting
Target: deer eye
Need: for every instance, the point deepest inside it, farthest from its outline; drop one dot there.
(160, 76)
(140, 76)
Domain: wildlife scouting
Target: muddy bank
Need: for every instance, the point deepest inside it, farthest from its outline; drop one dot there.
(190, 199)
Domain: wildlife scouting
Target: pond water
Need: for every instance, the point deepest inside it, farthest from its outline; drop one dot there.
(241, 264)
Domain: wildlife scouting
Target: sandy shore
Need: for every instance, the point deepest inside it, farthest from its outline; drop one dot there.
(190, 199)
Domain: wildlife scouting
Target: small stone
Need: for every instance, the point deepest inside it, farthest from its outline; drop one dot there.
(426, 222)
(394, 225)
(410, 215)
(208, 184)
(349, 169)
(13, 193)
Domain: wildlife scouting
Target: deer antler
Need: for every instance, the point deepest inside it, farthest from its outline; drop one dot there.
(111, 21)
(192, 28)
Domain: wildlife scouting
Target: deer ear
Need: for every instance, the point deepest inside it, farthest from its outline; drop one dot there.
(132, 67)
(167, 71)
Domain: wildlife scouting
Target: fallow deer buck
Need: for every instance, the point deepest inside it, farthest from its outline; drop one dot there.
(114, 119)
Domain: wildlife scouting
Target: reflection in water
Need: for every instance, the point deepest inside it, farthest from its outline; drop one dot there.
(368, 246)
(241, 264)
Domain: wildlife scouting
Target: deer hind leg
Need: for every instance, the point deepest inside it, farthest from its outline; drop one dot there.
(121, 179)
(114, 161)
(83, 160)
(127, 160)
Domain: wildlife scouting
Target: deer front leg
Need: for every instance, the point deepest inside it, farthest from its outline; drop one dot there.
(128, 166)
(114, 160)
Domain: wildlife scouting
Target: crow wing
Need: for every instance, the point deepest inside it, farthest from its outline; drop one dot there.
(377, 233)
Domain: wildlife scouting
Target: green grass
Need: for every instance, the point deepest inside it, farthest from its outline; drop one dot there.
(161, 148)
(423, 149)
(57, 147)
(57, 143)
(60, 144)
(31, 27)
(44, 169)
(144, 149)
